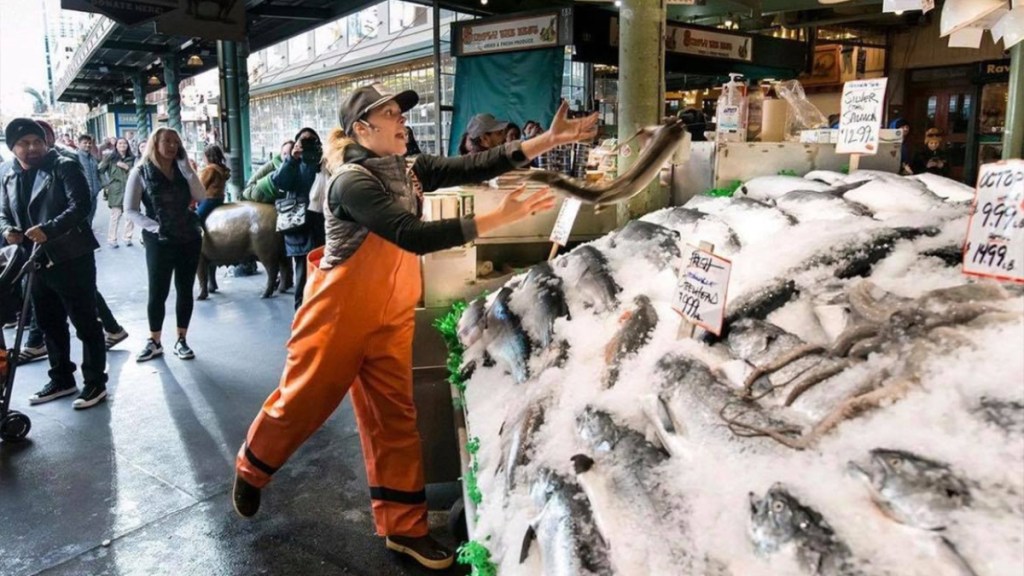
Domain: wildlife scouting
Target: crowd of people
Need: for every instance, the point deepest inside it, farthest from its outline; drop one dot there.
(356, 271)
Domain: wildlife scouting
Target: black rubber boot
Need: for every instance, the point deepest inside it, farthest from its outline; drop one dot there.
(424, 549)
(246, 498)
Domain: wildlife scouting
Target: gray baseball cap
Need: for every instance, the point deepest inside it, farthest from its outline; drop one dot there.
(482, 124)
(368, 97)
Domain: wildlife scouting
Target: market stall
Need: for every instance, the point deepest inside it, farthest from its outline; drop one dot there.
(855, 408)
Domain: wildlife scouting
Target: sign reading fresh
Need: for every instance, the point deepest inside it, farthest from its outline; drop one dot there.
(702, 290)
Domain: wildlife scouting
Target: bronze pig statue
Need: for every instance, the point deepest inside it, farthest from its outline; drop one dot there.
(237, 231)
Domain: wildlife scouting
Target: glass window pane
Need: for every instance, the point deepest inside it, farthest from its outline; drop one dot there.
(362, 25)
(299, 49)
(328, 37)
(403, 15)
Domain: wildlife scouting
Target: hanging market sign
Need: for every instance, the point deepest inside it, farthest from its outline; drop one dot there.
(860, 116)
(700, 42)
(126, 12)
(995, 233)
(488, 36)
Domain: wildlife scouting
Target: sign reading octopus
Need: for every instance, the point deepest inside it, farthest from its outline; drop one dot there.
(703, 287)
(995, 234)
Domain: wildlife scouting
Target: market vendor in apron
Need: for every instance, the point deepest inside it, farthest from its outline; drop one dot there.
(354, 330)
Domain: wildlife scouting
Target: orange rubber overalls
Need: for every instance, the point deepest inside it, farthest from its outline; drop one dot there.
(354, 332)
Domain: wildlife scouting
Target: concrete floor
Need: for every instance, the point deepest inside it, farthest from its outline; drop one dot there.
(149, 472)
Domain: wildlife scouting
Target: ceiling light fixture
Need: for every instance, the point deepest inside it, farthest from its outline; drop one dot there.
(618, 3)
(153, 80)
(194, 61)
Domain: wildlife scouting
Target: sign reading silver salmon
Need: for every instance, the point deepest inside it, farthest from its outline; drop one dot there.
(860, 116)
(703, 289)
(995, 234)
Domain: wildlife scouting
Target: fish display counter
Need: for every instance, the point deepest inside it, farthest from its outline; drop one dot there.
(861, 411)
(718, 165)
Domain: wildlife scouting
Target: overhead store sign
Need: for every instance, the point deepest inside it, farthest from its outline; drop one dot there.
(537, 30)
(126, 12)
(209, 19)
(700, 42)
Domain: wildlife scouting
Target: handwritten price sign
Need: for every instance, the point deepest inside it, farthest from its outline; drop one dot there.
(703, 287)
(995, 234)
(861, 116)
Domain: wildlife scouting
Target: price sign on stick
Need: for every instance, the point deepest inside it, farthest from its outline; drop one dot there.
(702, 290)
(995, 234)
(861, 116)
(563, 224)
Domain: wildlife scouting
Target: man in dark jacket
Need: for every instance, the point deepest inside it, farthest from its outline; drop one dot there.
(45, 202)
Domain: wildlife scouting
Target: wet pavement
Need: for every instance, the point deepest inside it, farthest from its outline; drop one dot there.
(140, 485)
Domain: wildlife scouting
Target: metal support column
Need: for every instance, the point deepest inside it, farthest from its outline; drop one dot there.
(1013, 133)
(141, 113)
(641, 90)
(171, 80)
(437, 79)
(231, 131)
(243, 110)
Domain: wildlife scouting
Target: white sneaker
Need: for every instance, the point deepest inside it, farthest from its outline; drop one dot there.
(152, 350)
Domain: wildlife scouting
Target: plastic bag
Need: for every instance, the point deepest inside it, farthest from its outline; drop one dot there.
(802, 114)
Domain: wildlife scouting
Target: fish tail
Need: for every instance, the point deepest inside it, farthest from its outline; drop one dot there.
(528, 538)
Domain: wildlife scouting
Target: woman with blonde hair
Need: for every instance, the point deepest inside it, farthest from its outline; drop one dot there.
(354, 329)
(164, 184)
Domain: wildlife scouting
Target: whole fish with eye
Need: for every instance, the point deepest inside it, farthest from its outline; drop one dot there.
(664, 140)
(916, 491)
(586, 270)
(505, 337)
(778, 520)
(570, 543)
(913, 490)
(637, 326)
(544, 303)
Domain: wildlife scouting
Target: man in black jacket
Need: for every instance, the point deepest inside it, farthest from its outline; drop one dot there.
(45, 201)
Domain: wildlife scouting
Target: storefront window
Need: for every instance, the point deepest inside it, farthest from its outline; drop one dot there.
(277, 56)
(275, 118)
(299, 49)
(402, 15)
(328, 37)
(933, 104)
(363, 25)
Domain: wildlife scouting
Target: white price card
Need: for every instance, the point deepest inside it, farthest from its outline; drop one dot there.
(860, 116)
(995, 233)
(563, 224)
(703, 289)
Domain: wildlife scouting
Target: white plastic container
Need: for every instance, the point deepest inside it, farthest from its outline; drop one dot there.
(732, 111)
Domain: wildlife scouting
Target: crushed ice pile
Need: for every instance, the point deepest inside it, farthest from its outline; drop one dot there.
(862, 413)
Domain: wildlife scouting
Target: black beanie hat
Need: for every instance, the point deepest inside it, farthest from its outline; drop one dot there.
(21, 127)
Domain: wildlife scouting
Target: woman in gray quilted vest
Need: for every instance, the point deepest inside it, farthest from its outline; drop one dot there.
(354, 329)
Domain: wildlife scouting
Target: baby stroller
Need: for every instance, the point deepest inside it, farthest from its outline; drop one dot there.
(15, 263)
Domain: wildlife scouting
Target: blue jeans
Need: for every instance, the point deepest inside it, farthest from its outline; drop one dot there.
(207, 206)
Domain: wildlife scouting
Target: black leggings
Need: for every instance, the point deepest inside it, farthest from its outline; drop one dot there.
(163, 261)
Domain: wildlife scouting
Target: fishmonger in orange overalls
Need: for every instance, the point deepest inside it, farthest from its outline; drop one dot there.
(354, 329)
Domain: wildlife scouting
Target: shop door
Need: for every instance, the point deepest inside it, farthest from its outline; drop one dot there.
(948, 109)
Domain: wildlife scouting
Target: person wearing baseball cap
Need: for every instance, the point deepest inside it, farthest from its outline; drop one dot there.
(483, 132)
(354, 330)
(44, 203)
